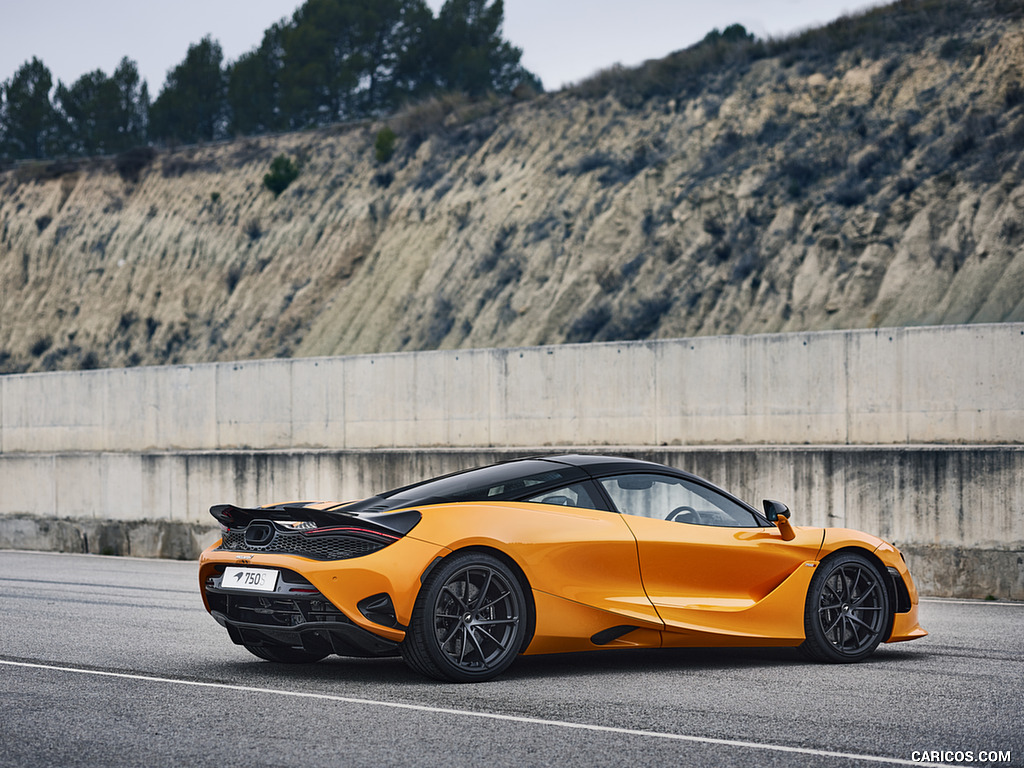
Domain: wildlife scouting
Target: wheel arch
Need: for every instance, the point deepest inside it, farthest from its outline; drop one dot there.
(517, 570)
(859, 550)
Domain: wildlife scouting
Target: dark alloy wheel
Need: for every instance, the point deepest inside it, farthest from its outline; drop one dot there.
(284, 654)
(469, 620)
(848, 611)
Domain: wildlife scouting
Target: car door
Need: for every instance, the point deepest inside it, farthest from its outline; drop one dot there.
(705, 559)
(579, 549)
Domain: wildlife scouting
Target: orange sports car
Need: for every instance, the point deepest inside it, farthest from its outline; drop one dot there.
(462, 573)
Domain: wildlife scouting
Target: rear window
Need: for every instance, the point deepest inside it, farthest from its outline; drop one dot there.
(500, 482)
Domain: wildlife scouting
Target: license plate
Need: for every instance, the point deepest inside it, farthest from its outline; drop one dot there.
(249, 578)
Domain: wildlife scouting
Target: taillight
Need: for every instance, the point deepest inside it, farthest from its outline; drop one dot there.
(350, 529)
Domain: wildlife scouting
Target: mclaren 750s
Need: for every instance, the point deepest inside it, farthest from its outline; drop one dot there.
(460, 574)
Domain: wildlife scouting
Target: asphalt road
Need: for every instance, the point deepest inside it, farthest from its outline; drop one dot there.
(113, 662)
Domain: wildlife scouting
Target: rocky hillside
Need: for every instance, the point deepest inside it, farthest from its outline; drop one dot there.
(875, 186)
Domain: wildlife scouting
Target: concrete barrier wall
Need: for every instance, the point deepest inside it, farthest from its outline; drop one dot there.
(950, 384)
(914, 434)
(971, 496)
(957, 512)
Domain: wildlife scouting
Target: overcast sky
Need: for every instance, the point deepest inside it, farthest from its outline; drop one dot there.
(563, 41)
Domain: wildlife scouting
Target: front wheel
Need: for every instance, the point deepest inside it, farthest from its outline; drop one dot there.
(847, 613)
(469, 620)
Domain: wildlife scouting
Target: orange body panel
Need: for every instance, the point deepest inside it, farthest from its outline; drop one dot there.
(583, 555)
(906, 627)
(776, 619)
(563, 626)
(700, 577)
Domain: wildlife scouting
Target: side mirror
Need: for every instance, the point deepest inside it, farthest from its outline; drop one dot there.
(773, 510)
(778, 513)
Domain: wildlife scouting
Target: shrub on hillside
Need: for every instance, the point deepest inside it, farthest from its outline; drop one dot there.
(587, 326)
(418, 121)
(253, 230)
(39, 170)
(678, 73)
(283, 171)
(40, 345)
(384, 145)
(132, 162)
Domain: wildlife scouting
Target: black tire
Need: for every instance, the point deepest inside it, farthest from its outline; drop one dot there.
(469, 620)
(284, 654)
(847, 613)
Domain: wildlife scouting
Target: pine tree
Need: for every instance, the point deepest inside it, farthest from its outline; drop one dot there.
(469, 53)
(100, 114)
(346, 59)
(253, 84)
(30, 121)
(192, 106)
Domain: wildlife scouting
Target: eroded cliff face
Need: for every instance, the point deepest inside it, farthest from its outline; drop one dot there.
(884, 190)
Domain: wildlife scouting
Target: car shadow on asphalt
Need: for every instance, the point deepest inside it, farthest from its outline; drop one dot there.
(566, 666)
(683, 660)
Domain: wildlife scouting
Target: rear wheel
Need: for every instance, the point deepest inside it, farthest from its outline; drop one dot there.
(284, 654)
(847, 613)
(469, 620)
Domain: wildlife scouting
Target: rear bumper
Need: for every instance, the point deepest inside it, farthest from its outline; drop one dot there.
(295, 615)
(343, 585)
(341, 637)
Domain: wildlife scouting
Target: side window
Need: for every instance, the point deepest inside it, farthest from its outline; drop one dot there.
(669, 498)
(508, 488)
(569, 496)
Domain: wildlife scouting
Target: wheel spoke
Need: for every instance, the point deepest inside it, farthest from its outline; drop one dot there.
(856, 580)
(860, 600)
(479, 648)
(451, 634)
(830, 588)
(495, 601)
(844, 643)
(840, 640)
(448, 588)
(853, 637)
(492, 638)
(834, 624)
(836, 585)
(482, 594)
(857, 620)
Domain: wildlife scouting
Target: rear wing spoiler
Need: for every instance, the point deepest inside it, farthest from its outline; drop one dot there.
(231, 516)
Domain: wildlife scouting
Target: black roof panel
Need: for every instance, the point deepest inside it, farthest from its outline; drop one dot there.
(506, 480)
(595, 461)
